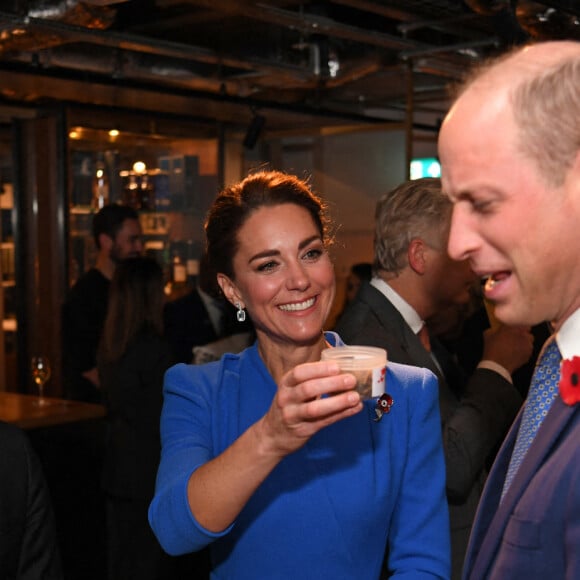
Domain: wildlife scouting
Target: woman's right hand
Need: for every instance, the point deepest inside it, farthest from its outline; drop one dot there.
(300, 409)
(219, 489)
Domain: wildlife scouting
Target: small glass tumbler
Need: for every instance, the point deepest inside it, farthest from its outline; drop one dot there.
(367, 363)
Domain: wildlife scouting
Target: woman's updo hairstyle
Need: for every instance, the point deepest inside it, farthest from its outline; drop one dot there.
(234, 205)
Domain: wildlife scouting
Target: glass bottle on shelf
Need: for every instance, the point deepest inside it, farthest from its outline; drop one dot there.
(191, 265)
(178, 284)
(147, 192)
(179, 271)
(131, 192)
(100, 186)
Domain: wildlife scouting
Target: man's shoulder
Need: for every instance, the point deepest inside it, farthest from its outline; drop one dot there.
(367, 307)
(11, 436)
(15, 447)
(93, 279)
(192, 297)
(90, 284)
(184, 309)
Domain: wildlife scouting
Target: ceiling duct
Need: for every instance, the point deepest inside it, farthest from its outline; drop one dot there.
(74, 12)
(21, 37)
(332, 58)
(543, 22)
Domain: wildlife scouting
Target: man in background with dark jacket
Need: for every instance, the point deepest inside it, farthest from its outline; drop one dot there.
(28, 545)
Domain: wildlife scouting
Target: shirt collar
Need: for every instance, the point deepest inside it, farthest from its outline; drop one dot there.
(408, 313)
(568, 337)
(215, 310)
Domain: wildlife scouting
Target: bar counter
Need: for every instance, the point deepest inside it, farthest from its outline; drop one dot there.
(24, 411)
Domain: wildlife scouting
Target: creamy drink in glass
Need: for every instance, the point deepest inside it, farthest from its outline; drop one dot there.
(367, 363)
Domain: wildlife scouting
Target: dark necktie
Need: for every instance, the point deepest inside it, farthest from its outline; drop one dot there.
(543, 391)
(423, 335)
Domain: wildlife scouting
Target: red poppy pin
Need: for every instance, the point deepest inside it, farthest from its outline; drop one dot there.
(384, 404)
(570, 381)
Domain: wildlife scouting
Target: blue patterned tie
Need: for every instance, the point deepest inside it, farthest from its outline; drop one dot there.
(543, 391)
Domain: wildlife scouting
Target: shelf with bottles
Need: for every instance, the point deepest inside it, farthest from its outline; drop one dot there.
(94, 183)
(159, 183)
(181, 262)
(164, 187)
(146, 190)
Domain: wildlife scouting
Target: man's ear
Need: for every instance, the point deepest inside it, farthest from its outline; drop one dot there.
(416, 255)
(230, 290)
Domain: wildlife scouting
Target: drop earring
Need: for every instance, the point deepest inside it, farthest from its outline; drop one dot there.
(241, 313)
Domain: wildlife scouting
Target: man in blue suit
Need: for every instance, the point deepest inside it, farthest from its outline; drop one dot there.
(510, 153)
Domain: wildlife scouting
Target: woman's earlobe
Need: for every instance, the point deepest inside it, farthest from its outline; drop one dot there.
(228, 288)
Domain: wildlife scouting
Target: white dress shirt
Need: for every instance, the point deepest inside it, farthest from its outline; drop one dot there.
(411, 317)
(568, 337)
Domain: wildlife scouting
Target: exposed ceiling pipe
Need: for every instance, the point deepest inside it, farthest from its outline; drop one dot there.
(457, 48)
(314, 24)
(546, 22)
(57, 10)
(51, 10)
(125, 57)
(124, 41)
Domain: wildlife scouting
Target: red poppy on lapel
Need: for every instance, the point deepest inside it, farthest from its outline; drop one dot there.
(384, 404)
(570, 381)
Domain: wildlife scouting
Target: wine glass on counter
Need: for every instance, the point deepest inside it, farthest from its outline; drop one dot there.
(40, 367)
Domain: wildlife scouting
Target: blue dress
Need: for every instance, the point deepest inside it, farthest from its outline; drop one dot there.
(329, 510)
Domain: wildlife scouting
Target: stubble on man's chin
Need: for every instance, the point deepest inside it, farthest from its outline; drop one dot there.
(115, 256)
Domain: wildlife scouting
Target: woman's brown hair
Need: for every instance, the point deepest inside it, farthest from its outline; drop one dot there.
(135, 305)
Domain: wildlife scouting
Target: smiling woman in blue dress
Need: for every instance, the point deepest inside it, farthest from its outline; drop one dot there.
(280, 479)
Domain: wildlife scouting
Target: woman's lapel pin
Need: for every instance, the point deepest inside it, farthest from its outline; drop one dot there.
(384, 404)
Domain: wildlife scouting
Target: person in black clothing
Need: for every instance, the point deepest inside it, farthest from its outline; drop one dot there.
(201, 317)
(358, 274)
(132, 359)
(28, 545)
(117, 235)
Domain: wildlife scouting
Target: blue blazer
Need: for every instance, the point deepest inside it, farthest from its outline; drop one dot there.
(336, 502)
(535, 532)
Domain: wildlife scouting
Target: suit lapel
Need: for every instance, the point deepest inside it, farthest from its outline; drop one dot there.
(491, 520)
(453, 374)
(394, 324)
(554, 423)
(417, 351)
(487, 527)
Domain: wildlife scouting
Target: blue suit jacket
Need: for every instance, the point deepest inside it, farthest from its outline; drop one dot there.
(535, 532)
